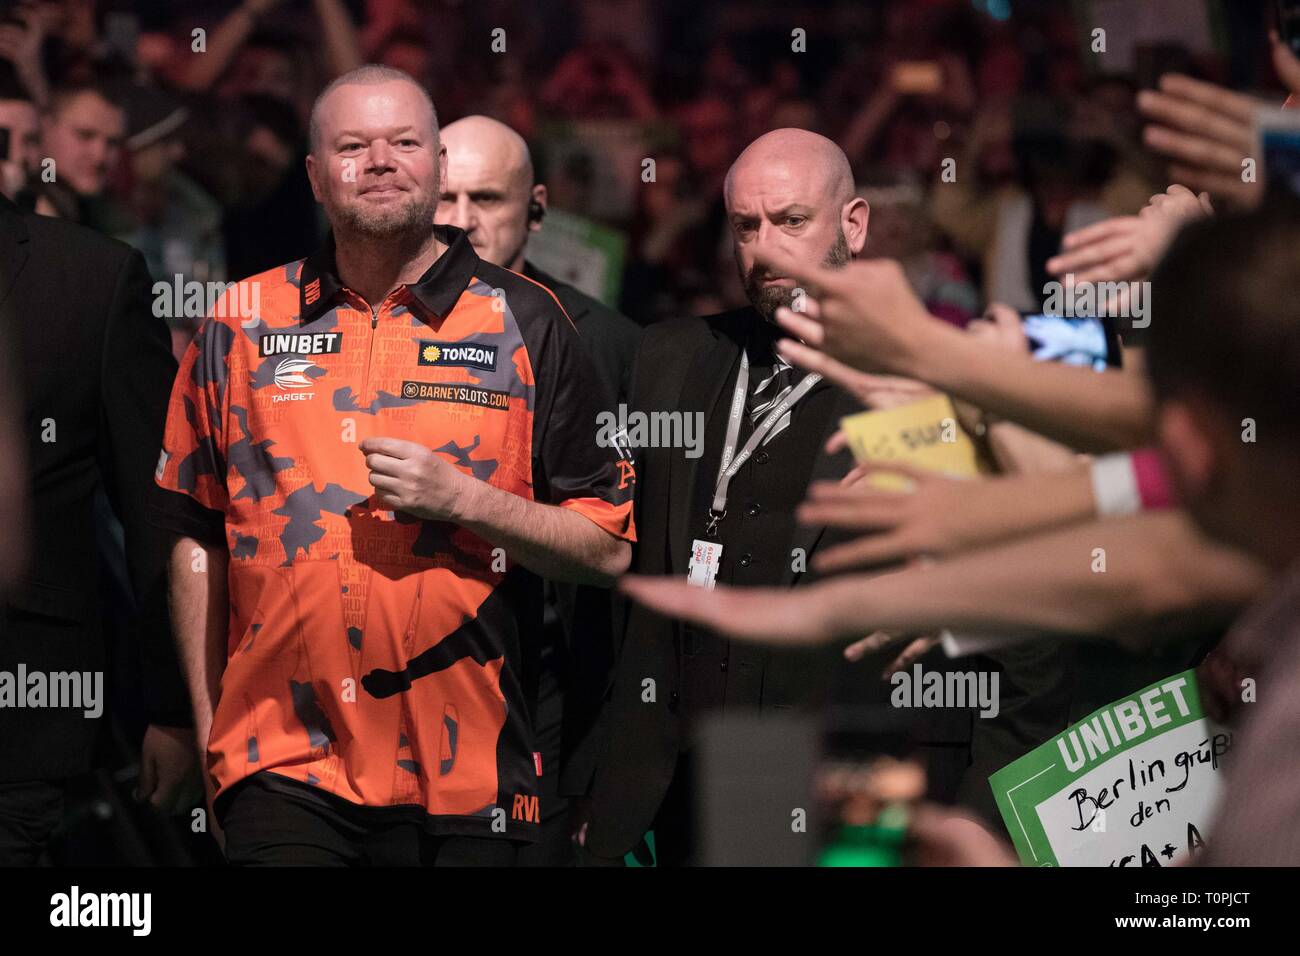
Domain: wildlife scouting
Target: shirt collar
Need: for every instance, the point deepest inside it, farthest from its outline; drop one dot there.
(437, 290)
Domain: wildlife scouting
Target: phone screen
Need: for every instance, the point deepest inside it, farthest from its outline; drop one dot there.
(1086, 342)
(1279, 141)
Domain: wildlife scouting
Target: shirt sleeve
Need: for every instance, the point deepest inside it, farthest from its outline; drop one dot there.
(579, 460)
(193, 461)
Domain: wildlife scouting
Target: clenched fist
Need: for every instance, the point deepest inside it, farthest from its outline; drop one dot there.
(409, 477)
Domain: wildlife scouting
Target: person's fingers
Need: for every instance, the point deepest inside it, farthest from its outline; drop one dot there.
(855, 475)
(1200, 152)
(1001, 329)
(801, 326)
(1007, 324)
(812, 360)
(864, 552)
(810, 308)
(1106, 229)
(867, 645)
(869, 384)
(385, 464)
(1187, 116)
(1204, 199)
(1286, 63)
(778, 263)
(865, 515)
(1123, 268)
(835, 490)
(858, 495)
(1087, 258)
(1224, 185)
(1236, 106)
(837, 442)
(393, 447)
(912, 652)
(767, 615)
(385, 484)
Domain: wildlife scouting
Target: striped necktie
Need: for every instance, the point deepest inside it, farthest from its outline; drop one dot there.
(773, 385)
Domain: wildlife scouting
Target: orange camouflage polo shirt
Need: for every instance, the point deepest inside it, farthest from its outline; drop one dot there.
(372, 655)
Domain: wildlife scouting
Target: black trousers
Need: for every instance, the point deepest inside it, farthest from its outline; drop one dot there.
(554, 847)
(267, 825)
(29, 812)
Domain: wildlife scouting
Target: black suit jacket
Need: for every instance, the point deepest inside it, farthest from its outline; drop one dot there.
(610, 337)
(95, 371)
(587, 614)
(683, 364)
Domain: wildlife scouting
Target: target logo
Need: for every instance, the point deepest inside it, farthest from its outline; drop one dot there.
(292, 373)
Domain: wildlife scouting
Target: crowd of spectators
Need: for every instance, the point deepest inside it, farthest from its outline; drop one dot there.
(180, 127)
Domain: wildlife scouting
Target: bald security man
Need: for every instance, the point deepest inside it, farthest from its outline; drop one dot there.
(792, 191)
(492, 194)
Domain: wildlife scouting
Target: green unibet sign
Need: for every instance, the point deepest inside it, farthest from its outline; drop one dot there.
(1135, 783)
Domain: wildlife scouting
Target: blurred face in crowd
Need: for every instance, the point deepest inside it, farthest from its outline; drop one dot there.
(489, 184)
(408, 57)
(266, 71)
(898, 222)
(791, 191)
(153, 163)
(19, 117)
(377, 165)
(707, 126)
(84, 138)
(265, 159)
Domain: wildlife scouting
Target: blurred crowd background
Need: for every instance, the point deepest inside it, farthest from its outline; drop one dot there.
(179, 125)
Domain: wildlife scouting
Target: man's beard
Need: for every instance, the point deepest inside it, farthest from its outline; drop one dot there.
(767, 299)
(396, 221)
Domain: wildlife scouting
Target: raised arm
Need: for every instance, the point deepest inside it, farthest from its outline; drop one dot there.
(866, 316)
(1120, 576)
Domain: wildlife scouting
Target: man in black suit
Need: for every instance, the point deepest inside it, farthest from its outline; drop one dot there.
(94, 369)
(790, 190)
(492, 194)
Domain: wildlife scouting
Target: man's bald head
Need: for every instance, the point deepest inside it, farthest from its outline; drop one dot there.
(489, 142)
(791, 191)
(815, 161)
(489, 188)
(369, 75)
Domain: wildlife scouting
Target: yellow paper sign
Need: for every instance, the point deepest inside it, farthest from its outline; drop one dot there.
(924, 434)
